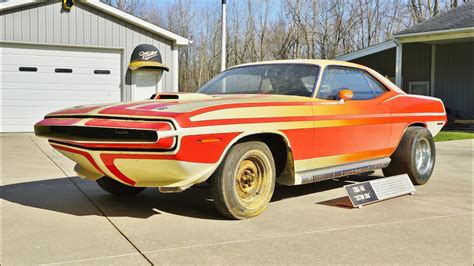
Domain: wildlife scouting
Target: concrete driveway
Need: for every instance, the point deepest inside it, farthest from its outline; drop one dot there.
(50, 216)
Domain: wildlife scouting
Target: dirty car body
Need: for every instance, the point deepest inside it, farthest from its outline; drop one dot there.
(176, 140)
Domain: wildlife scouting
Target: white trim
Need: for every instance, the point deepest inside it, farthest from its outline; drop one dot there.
(18, 3)
(174, 69)
(223, 36)
(435, 126)
(368, 51)
(3, 42)
(178, 40)
(397, 36)
(415, 96)
(433, 68)
(398, 65)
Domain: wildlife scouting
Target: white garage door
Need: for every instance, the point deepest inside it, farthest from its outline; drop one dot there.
(37, 80)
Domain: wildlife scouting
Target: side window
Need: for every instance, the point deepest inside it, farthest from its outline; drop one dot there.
(336, 78)
(309, 82)
(376, 85)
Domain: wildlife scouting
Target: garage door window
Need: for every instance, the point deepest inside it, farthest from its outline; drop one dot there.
(102, 72)
(63, 70)
(28, 69)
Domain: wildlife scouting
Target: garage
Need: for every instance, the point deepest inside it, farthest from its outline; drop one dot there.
(54, 57)
(38, 80)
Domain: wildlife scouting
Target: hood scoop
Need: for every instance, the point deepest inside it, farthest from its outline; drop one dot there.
(165, 96)
(181, 96)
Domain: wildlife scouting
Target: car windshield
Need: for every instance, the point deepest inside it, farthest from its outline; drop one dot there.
(285, 79)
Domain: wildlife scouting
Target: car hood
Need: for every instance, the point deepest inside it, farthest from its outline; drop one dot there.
(177, 104)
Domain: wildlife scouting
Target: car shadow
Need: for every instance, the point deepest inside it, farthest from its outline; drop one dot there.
(62, 195)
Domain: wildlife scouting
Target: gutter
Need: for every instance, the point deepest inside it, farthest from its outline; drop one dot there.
(397, 36)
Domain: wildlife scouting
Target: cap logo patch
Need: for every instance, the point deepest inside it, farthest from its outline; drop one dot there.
(146, 55)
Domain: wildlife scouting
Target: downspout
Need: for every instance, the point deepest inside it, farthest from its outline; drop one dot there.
(175, 68)
(398, 64)
(223, 36)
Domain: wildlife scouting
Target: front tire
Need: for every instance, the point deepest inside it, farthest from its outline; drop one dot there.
(243, 184)
(116, 188)
(415, 156)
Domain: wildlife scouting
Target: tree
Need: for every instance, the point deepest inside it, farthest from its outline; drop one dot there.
(277, 29)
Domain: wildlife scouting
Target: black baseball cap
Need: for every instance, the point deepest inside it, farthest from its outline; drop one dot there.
(147, 56)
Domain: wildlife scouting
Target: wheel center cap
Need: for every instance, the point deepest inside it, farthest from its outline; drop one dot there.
(247, 179)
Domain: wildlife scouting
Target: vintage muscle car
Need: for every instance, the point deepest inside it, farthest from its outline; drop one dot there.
(289, 122)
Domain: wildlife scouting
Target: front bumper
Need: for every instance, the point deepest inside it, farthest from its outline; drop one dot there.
(126, 151)
(140, 169)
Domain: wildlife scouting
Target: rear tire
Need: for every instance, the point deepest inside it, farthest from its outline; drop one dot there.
(116, 188)
(243, 184)
(415, 156)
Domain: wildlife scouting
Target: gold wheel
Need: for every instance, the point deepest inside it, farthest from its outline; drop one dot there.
(250, 185)
(243, 184)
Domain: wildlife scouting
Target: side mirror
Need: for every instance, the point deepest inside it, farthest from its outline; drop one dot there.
(345, 94)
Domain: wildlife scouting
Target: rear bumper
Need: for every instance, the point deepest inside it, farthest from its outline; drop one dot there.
(140, 169)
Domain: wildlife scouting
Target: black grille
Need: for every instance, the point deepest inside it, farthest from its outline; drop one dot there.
(80, 133)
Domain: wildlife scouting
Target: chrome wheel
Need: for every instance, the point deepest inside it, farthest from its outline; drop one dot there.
(415, 156)
(423, 160)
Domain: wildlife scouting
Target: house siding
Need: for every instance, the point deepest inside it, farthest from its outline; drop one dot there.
(47, 24)
(416, 63)
(454, 77)
(382, 62)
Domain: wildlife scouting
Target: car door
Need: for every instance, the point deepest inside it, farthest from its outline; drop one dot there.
(350, 130)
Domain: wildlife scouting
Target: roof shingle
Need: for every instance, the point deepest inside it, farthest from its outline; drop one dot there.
(456, 18)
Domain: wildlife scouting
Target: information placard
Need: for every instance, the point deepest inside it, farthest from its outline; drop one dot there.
(380, 189)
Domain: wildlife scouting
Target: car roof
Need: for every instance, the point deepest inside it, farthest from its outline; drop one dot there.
(319, 62)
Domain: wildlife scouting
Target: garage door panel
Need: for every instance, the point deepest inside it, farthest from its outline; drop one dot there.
(19, 121)
(28, 96)
(63, 78)
(55, 88)
(34, 112)
(6, 69)
(48, 103)
(63, 52)
(45, 61)
(86, 96)
(20, 128)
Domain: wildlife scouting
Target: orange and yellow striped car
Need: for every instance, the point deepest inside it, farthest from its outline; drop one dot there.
(289, 122)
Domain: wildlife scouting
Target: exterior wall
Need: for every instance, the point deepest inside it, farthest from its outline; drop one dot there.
(416, 63)
(46, 23)
(454, 77)
(382, 62)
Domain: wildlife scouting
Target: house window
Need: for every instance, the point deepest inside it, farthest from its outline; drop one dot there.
(419, 87)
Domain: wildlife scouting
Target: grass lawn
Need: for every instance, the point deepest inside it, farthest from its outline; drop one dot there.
(453, 135)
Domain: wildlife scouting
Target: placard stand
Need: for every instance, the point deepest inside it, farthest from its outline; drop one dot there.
(372, 191)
